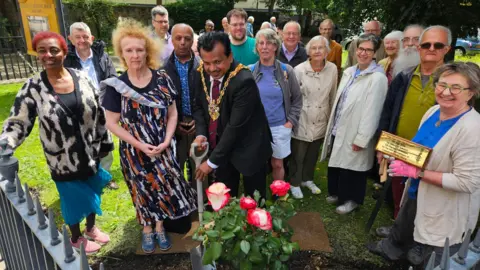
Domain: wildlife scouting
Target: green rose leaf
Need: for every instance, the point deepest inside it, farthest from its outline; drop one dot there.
(208, 256)
(245, 246)
(207, 216)
(256, 195)
(277, 265)
(255, 257)
(236, 248)
(216, 248)
(277, 224)
(287, 249)
(245, 265)
(212, 233)
(284, 258)
(227, 235)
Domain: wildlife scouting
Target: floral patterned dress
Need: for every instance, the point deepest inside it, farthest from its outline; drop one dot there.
(157, 185)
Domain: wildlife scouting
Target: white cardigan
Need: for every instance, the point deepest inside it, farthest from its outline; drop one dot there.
(451, 210)
(358, 121)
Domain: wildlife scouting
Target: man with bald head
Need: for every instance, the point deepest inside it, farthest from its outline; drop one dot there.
(292, 52)
(335, 54)
(181, 67)
(371, 27)
(409, 96)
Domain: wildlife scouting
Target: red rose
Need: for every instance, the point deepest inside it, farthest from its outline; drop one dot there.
(280, 188)
(247, 203)
(260, 218)
(218, 195)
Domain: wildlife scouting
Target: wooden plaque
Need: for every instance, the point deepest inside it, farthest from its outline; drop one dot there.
(403, 149)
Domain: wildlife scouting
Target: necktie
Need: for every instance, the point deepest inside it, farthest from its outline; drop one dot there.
(212, 127)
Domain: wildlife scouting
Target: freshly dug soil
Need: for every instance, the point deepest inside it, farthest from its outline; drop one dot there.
(303, 260)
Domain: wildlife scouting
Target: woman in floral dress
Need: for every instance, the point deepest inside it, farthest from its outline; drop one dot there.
(142, 100)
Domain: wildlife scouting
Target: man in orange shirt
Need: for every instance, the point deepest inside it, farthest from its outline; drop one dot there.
(335, 55)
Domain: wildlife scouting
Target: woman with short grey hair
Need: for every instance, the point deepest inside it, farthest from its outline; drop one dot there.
(354, 119)
(280, 94)
(318, 84)
(392, 43)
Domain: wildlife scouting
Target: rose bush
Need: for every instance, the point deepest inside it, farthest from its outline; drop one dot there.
(218, 195)
(248, 233)
(247, 203)
(280, 188)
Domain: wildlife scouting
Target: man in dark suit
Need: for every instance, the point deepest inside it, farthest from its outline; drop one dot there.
(237, 129)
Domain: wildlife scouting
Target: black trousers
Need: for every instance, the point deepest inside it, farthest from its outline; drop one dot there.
(347, 185)
(400, 239)
(230, 176)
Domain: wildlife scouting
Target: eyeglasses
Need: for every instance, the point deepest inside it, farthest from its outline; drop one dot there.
(238, 25)
(364, 50)
(436, 45)
(293, 34)
(265, 43)
(412, 39)
(454, 89)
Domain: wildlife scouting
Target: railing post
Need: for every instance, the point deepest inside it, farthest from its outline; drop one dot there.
(67, 246)
(18, 186)
(53, 228)
(431, 262)
(30, 205)
(8, 165)
(463, 251)
(445, 261)
(42, 225)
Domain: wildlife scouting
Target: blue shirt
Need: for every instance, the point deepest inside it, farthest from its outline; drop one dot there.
(429, 135)
(272, 96)
(182, 70)
(89, 68)
(289, 55)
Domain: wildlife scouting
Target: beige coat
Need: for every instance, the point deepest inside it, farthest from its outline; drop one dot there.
(318, 93)
(358, 121)
(451, 210)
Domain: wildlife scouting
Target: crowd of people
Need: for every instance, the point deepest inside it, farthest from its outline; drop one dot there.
(264, 102)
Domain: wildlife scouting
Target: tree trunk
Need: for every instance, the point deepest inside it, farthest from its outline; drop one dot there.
(271, 5)
(159, 2)
(308, 22)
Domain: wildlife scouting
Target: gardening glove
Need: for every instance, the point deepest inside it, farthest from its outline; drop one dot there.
(400, 168)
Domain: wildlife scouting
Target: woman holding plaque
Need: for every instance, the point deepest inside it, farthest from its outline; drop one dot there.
(448, 189)
(140, 110)
(352, 125)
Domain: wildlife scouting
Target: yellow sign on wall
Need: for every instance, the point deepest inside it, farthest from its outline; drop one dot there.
(38, 16)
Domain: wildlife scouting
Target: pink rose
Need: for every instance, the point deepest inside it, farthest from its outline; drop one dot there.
(280, 188)
(247, 203)
(218, 195)
(260, 218)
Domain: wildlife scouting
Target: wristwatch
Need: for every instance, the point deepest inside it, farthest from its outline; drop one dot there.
(421, 173)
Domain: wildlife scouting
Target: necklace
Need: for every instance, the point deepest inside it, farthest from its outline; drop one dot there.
(440, 121)
(214, 104)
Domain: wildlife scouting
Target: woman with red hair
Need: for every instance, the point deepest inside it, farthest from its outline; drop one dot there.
(72, 132)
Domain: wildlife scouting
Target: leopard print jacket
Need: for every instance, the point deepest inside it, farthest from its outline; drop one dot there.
(72, 140)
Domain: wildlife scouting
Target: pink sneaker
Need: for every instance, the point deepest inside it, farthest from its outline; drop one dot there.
(90, 246)
(98, 236)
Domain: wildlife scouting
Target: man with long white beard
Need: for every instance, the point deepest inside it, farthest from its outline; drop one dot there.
(408, 55)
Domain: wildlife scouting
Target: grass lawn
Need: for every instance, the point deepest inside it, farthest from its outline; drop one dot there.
(346, 233)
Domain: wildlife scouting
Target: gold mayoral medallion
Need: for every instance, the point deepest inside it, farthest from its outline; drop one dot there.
(403, 149)
(214, 104)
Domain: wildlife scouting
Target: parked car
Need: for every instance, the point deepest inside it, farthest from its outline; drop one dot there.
(468, 45)
(337, 34)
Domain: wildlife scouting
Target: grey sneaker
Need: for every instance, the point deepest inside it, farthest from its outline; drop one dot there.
(419, 253)
(347, 207)
(383, 231)
(332, 199)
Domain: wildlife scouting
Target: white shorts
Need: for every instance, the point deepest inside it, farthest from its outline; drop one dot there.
(281, 141)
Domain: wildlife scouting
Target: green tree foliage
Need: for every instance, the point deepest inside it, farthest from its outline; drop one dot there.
(99, 15)
(195, 12)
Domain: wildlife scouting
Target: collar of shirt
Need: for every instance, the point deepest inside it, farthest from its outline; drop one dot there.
(287, 52)
(211, 83)
(88, 58)
(180, 62)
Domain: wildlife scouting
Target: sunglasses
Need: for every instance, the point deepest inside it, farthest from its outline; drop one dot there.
(436, 45)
